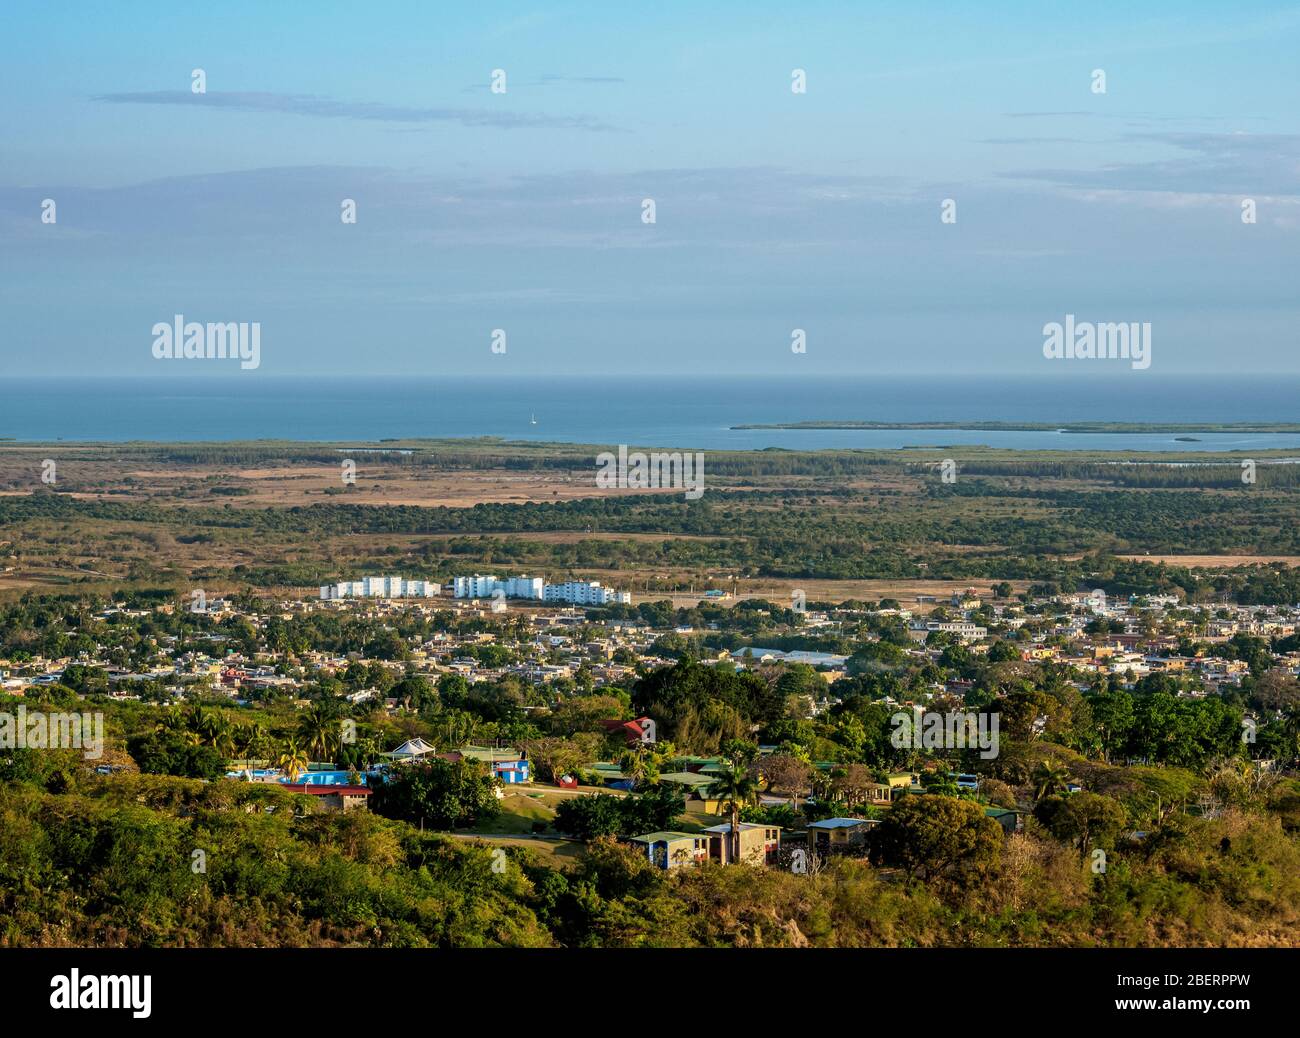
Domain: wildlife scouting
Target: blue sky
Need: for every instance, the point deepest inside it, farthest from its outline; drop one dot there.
(775, 211)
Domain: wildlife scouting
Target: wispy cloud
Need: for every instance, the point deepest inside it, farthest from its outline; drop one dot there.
(327, 108)
(1050, 115)
(1247, 164)
(1137, 118)
(1032, 140)
(549, 80)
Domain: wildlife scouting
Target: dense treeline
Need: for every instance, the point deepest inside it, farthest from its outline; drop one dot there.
(789, 542)
(1037, 518)
(145, 861)
(1223, 475)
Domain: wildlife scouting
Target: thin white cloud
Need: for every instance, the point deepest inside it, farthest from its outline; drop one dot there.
(326, 108)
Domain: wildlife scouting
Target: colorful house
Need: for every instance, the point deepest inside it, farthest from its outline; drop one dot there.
(759, 844)
(698, 787)
(669, 850)
(606, 773)
(838, 834)
(634, 732)
(333, 797)
(510, 766)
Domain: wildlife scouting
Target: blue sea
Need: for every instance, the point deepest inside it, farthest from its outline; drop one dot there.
(689, 413)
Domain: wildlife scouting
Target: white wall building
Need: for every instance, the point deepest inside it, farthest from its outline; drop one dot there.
(573, 592)
(479, 586)
(525, 587)
(585, 592)
(964, 630)
(379, 587)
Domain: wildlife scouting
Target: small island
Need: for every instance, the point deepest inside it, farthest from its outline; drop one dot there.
(1071, 427)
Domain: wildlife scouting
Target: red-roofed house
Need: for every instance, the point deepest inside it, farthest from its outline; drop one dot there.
(333, 798)
(638, 731)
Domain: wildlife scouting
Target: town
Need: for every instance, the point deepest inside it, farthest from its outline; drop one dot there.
(573, 724)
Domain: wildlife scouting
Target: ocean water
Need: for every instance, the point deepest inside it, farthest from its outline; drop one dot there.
(688, 413)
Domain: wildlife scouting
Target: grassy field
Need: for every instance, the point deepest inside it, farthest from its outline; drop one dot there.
(513, 827)
(559, 850)
(837, 525)
(519, 811)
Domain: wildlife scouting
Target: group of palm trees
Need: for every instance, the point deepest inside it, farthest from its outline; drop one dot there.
(319, 736)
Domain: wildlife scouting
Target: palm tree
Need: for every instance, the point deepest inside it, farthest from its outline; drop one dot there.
(367, 750)
(255, 740)
(319, 730)
(196, 717)
(639, 764)
(1291, 728)
(1048, 779)
(223, 737)
(736, 789)
(204, 727)
(457, 728)
(172, 720)
(293, 760)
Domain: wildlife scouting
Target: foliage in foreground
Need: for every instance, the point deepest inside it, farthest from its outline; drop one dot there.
(113, 862)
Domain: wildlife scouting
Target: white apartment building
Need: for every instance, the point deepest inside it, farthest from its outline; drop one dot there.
(573, 592)
(479, 586)
(379, 587)
(964, 630)
(585, 592)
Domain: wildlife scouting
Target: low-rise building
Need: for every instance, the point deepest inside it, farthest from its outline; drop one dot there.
(510, 766)
(333, 797)
(669, 850)
(759, 844)
(838, 834)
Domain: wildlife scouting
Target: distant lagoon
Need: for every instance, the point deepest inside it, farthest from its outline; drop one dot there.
(695, 413)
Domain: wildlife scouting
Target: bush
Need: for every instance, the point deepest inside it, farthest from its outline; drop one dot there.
(603, 814)
(440, 793)
(166, 753)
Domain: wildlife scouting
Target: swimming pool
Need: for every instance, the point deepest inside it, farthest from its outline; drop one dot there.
(310, 778)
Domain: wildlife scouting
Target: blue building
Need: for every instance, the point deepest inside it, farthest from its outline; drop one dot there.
(510, 766)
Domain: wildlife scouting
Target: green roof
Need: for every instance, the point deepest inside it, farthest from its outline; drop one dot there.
(840, 823)
(687, 778)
